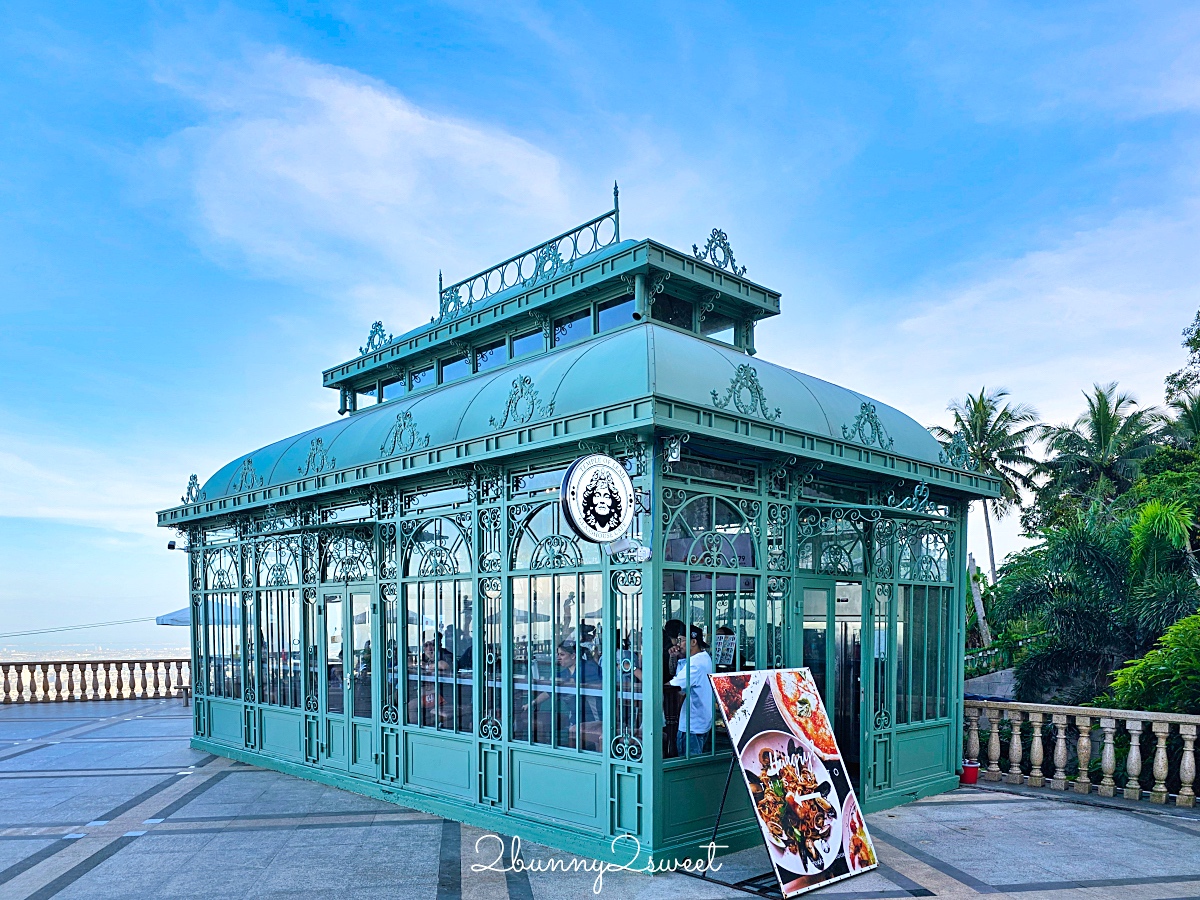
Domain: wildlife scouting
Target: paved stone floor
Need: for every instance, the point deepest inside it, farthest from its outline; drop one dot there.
(106, 800)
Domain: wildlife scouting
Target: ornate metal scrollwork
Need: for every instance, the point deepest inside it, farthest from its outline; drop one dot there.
(319, 459)
(883, 719)
(193, 494)
(489, 728)
(376, 340)
(451, 304)
(919, 502)
(531, 268)
(523, 405)
(672, 451)
(655, 285)
(403, 436)
(867, 429)
(707, 302)
(627, 747)
(245, 478)
(957, 453)
(745, 381)
(556, 551)
(718, 253)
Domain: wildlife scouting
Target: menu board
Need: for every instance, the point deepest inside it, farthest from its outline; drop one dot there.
(813, 827)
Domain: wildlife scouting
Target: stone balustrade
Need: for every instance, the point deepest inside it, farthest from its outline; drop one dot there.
(124, 679)
(1078, 734)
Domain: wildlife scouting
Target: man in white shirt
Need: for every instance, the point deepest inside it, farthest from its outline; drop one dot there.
(691, 677)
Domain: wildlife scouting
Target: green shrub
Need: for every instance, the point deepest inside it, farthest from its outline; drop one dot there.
(1167, 679)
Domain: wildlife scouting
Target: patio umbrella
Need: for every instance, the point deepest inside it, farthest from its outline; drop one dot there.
(179, 617)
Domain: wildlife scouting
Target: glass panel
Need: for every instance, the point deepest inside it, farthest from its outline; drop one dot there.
(392, 388)
(522, 676)
(455, 368)
(544, 541)
(312, 687)
(366, 396)
(717, 326)
(627, 743)
(422, 378)
(279, 650)
(524, 344)
(491, 355)
(672, 311)
(334, 649)
(533, 658)
(464, 672)
(816, 636)
(880, 673)
(578, 690)
(390, 661)
(614, 313)
(572, 327)
(360, 607)
(224, 628)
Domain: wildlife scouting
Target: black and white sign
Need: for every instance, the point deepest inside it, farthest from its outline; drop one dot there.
(597, 498)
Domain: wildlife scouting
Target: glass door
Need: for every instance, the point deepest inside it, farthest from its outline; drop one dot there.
(828, 640)
(332, 614)
(347, 680)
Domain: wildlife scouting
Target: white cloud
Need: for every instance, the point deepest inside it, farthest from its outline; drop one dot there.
(42, 478)
(319, 175)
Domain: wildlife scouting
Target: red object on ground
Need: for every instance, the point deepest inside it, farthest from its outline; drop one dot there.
(970, 773)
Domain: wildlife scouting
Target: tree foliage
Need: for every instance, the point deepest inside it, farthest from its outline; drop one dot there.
(1166, 679)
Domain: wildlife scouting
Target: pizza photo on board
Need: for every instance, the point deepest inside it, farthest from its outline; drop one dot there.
(812, 826)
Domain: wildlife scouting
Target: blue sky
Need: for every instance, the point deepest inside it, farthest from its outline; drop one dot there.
(202, 206)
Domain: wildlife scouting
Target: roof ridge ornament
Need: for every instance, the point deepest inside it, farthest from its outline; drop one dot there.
(957, 453)
(193, 493)
(745, 381)
(403, 437)
(523, 404)
(318, 459)
(245, 478)
(377, 339)
(867, 429)
(718, 254)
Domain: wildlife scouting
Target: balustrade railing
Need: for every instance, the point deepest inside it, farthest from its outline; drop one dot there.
(1085, 744)
(73, 680)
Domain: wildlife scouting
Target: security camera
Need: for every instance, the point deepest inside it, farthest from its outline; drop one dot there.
(172, 546)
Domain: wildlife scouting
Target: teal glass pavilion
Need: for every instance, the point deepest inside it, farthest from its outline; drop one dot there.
(393, 603)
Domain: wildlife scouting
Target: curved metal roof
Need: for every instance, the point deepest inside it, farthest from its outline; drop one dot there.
(632, 363)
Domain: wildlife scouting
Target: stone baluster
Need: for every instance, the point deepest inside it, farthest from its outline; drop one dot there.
(1158, 793)
(1059, 781)
(1014, 749)
(1037, 777)
(5, 678)
(1083, 747)
(1187, 767)
(1108, 759)
(993, 767)
(44, 681)
(972, 734)
(1133, 763)
(76, 682)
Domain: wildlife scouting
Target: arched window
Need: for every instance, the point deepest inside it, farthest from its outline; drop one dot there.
(348, 555)
(439, 610)
(543, 540)
(710, 583)
(280, 655)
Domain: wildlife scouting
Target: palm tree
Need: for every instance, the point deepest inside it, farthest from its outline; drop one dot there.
(1183, 428)
(1098, 456)
(997, 436)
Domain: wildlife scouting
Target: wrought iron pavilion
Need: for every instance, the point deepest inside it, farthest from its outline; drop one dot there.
(382, 603)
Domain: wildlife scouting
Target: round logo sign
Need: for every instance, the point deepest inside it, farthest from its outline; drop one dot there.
(598, 498)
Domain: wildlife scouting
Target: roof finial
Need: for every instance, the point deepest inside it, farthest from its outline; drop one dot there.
(439, 282)
(616, 210)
